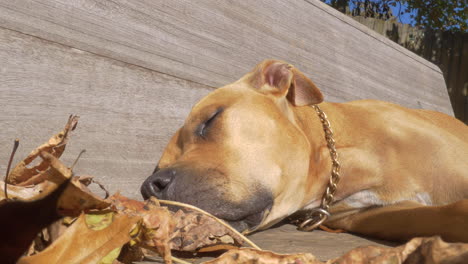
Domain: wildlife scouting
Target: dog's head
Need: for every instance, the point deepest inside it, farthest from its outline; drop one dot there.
(242, 154)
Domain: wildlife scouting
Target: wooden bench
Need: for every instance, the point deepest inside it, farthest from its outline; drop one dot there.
(133, 69)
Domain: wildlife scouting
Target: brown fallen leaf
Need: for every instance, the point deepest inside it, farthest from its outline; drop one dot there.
(75, 198)
(432, 250)
(31, 209)
(159, 233)
(422, 250)
(21, 221)
(429, 250)
(370, 254)
(55, 173)
(78, 198)
(251, 256)
(156, 225)
(88, 242)
(197, 232)
(22, 175)
(131, 254)
(50, 234)
(222, 235)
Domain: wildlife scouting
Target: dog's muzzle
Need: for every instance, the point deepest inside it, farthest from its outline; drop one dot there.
(210, 193)
(158, 184)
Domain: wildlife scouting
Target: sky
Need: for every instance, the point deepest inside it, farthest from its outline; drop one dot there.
(405, 18)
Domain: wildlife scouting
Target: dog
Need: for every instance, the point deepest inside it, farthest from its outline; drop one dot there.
(254, 152)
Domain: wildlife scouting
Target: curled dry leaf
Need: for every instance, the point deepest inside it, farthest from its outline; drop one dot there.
(433, 250)
(75, 198)
(31, 209)
(50, 234)
(78, 198)
(21, 221)
(22, 175)
(155, 226)
(56, 173)
(428, 250)
(195, 231)
(250, 255)
(89, 239)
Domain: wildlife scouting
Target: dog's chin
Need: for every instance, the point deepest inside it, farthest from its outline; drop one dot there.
(249, 223)
(245, 224)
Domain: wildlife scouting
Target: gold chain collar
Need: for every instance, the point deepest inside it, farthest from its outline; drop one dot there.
(317, 216)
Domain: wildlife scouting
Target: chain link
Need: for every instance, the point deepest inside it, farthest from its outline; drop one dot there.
(318, 215)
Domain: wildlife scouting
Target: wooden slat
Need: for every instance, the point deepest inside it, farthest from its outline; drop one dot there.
(216, 42)
(133, 69)
(128, 113)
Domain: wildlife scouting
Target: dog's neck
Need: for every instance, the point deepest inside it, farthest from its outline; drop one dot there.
(320, 165)
(349, 153)
(320, 161)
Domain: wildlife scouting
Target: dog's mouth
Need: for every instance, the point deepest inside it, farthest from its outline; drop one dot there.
(245, 223)
(251, 222)
(214, 196)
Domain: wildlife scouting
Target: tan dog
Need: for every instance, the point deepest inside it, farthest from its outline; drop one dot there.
(253, 152)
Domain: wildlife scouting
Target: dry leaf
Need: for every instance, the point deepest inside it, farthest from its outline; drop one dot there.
(76, 197)
(130, 254)
(369, 254)
(155, 227)
(82, 244)
(434, 250)
(21, 221)
(32, 209)
(56, 173)
(429, 250)
(23, 175)
(251, 256)
(198, 232)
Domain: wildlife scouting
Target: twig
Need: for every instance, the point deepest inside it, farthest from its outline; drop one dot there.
(252, 244)
(77, 158)
(102, 187)
(92, 180)
(15, 147)
(178, 260)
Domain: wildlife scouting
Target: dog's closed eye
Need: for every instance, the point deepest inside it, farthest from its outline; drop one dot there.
(203, 128)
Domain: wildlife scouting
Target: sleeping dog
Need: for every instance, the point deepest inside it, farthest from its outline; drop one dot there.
(255, 152)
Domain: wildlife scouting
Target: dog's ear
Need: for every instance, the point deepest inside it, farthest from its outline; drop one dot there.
(283, 80)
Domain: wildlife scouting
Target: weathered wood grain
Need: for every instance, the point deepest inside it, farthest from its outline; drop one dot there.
(215, 42)
(128, 113)
(133, 69)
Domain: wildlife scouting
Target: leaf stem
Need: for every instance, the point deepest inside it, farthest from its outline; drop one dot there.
(15, 147)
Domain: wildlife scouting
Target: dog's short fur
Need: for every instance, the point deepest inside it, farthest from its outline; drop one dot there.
(253, 152)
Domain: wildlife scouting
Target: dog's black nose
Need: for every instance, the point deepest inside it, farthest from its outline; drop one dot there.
(158, 183)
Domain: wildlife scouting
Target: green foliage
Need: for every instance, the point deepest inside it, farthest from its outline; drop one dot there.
(440, 14)
(443, 15)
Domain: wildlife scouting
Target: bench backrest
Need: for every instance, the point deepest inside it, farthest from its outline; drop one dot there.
(133, 69)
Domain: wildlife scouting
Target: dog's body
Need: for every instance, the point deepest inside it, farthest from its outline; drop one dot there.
(253, 152)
